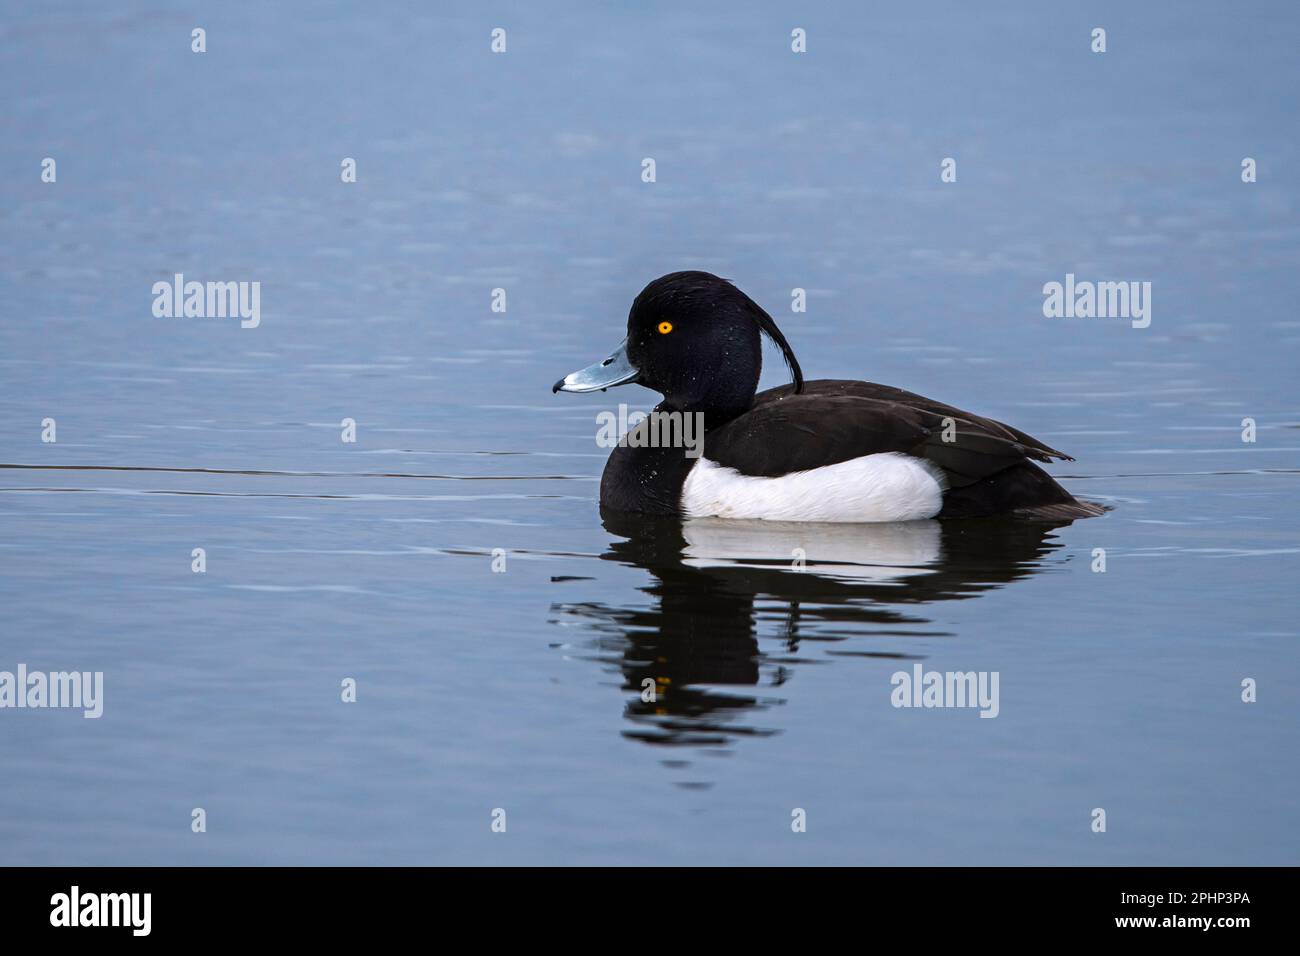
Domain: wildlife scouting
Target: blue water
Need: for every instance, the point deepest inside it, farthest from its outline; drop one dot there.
(522, 690)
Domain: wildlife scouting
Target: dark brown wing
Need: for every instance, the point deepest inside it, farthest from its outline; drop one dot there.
(887, 393)
(833, 421)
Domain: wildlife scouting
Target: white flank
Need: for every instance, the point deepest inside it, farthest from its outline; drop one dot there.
(889, 486)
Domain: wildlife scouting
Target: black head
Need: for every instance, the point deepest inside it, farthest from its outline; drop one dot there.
(697, 340)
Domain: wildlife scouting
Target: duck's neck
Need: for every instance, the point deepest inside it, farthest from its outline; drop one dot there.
(716, 413)
(720, 398)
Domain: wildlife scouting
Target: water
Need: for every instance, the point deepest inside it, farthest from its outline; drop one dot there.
(521, 690)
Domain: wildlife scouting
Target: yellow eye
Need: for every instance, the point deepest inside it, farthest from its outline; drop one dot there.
(665, 328)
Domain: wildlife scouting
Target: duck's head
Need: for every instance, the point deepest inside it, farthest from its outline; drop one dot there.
(694, 338)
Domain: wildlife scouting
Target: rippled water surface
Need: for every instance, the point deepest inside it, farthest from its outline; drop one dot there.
(522, 690)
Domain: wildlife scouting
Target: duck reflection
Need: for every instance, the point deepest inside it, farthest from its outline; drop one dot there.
(811, 592)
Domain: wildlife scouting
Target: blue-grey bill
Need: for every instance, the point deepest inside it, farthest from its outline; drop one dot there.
(615, 370)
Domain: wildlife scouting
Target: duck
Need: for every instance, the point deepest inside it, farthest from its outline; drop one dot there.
(825, 450)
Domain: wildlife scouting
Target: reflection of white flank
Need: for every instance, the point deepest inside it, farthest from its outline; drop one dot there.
(859, 552)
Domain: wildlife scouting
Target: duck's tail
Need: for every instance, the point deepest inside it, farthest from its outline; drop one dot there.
(1023, 490)
(1065, 511)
